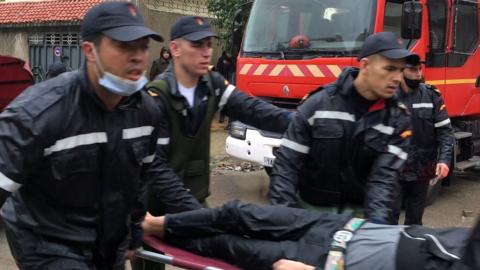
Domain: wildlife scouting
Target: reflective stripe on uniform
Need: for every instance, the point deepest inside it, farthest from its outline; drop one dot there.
(148, 159)
(8, 184)
(384, 129)
(295, 146)
(132, 133)
(74, 141)
(226, 95)
(397, 151)
(442, 123)
(422, 105)
(331, 115)
(163, 141)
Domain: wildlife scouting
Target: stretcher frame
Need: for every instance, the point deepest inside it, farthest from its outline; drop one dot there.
(180, 258)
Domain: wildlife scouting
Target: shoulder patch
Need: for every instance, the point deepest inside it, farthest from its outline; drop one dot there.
(311, 94)
(433, 88)
(407, 133)
(151, 93)
(404, 107)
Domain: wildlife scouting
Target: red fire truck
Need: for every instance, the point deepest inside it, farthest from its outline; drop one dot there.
(291, 47)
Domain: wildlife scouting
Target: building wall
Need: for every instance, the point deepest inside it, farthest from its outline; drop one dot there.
(14, 42)
(159, 15)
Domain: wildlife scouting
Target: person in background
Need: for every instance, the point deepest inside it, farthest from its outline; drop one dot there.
(55, 69)
(160, 65)
(430, 151)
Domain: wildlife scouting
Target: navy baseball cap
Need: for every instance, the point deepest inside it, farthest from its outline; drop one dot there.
(56, 69)
(120, 21)
(191, 28)
(386, 44)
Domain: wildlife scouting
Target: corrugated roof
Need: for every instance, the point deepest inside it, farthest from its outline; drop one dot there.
(45, 11)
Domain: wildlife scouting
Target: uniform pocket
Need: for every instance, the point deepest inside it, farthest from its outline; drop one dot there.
(327, 146)
(75, 175)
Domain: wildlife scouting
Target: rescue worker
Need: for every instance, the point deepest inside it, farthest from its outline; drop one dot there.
(265, 237)
(430, 151)
(74, 151)
(347, 142)
(190, 95)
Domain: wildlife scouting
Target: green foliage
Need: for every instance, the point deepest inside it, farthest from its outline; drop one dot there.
(224, 11)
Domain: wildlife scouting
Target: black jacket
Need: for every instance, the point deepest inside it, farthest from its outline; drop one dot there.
(330, 157)
(255, 236)
(158, 67)
(77, 170)
(234, 104)
(432, 140)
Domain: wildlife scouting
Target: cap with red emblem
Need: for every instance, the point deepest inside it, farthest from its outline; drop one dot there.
(386, 44)
(119, 20)
(191, 28)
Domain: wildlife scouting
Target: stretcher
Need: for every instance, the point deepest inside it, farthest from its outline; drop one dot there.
(180, 258)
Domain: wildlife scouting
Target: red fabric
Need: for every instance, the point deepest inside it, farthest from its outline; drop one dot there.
(45, 11)
(380, 104)
(182, 258)
(15, 76)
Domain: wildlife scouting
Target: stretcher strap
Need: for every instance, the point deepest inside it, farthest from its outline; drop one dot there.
(181, 258)
(336, 255)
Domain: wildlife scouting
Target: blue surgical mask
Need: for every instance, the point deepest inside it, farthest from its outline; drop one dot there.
(120, 86)
(117, 85)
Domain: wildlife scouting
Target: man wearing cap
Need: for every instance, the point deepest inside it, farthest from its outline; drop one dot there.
(430, 151)
(75, 151)
(190, 95)
(344, 147)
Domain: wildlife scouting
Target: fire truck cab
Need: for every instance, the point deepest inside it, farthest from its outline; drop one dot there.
(291, 47)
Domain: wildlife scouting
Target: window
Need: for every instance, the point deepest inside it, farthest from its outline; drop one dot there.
(332, 27)
(437, 25)
(437, 13)
(465, 32)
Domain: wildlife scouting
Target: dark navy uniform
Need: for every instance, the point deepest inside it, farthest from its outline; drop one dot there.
(342, 149)
(76, 171)
(431, 143)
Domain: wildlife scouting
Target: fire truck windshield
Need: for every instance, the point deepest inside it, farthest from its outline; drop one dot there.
(308, 28)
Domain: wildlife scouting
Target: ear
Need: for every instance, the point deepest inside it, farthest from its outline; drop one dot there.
(175, 48)
(363, 64)
(87, 49)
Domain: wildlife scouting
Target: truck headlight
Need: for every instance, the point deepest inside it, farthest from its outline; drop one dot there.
(238, 130)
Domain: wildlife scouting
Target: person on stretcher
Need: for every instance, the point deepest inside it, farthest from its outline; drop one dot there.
(276, 237)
